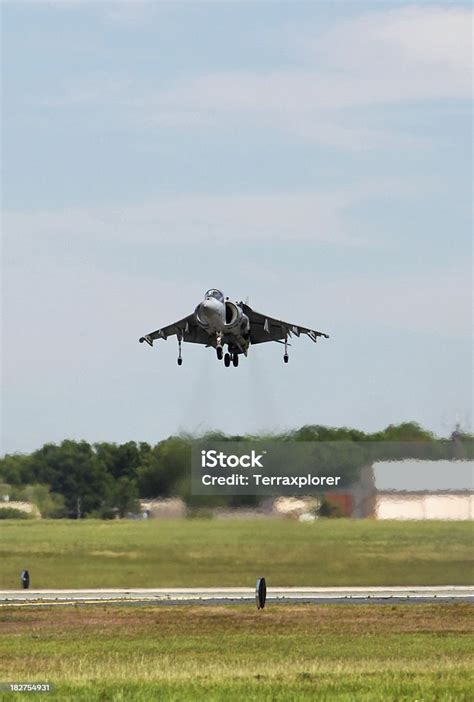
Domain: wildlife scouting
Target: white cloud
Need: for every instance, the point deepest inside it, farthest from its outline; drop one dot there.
(408, 53)
(127, 12)
(387, 57)
(314, 216)
(437, 303)
(438, 37)
(60, 314)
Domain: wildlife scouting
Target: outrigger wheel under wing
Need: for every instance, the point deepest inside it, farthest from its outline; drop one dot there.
(264, 328)
(185, 329)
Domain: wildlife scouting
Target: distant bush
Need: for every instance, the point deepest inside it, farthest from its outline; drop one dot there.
(200, 513)
(49, 504)
(103, 513)
(76, 479)
(12, 513)
(328, 508)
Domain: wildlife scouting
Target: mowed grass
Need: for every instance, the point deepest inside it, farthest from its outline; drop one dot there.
(342, 653)
(89, 554)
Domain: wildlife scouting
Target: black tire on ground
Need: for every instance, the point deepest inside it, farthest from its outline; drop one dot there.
(261, 593)
(235, 359)
(227, 360)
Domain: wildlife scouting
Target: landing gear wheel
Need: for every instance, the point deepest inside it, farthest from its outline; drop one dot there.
(285, 358)
(227, 360)
(235, 359)
(180, 361)
(219, 352)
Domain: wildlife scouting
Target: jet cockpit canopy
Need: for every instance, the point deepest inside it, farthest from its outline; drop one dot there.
(215, 294)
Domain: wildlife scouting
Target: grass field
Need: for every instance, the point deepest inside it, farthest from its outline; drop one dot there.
(72, 554)
(342, 653)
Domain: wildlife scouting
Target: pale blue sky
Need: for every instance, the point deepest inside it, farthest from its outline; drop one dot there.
(313, 156)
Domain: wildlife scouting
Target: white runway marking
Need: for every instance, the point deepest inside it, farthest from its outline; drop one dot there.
(230, 595)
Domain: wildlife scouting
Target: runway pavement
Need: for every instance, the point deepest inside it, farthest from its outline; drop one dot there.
(242, 595)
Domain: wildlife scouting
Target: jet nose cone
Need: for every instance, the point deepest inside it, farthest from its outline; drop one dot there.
(210, 305)
(211, 310)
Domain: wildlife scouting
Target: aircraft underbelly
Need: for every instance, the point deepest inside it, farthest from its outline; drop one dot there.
(236, 341)
(214, 324)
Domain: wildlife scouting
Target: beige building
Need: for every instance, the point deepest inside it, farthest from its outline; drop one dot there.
(27, 507)
(413, 489)
(424, 506)
(164, 508)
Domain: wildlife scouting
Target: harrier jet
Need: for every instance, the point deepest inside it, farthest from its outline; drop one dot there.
(217, 322)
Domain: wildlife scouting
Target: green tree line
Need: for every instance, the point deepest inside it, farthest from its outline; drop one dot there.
(76, 479)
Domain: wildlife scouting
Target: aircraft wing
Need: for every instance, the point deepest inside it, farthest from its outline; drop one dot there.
(264, 328)
(185, 329)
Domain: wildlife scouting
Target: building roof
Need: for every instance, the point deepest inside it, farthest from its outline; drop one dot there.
(424, 476)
